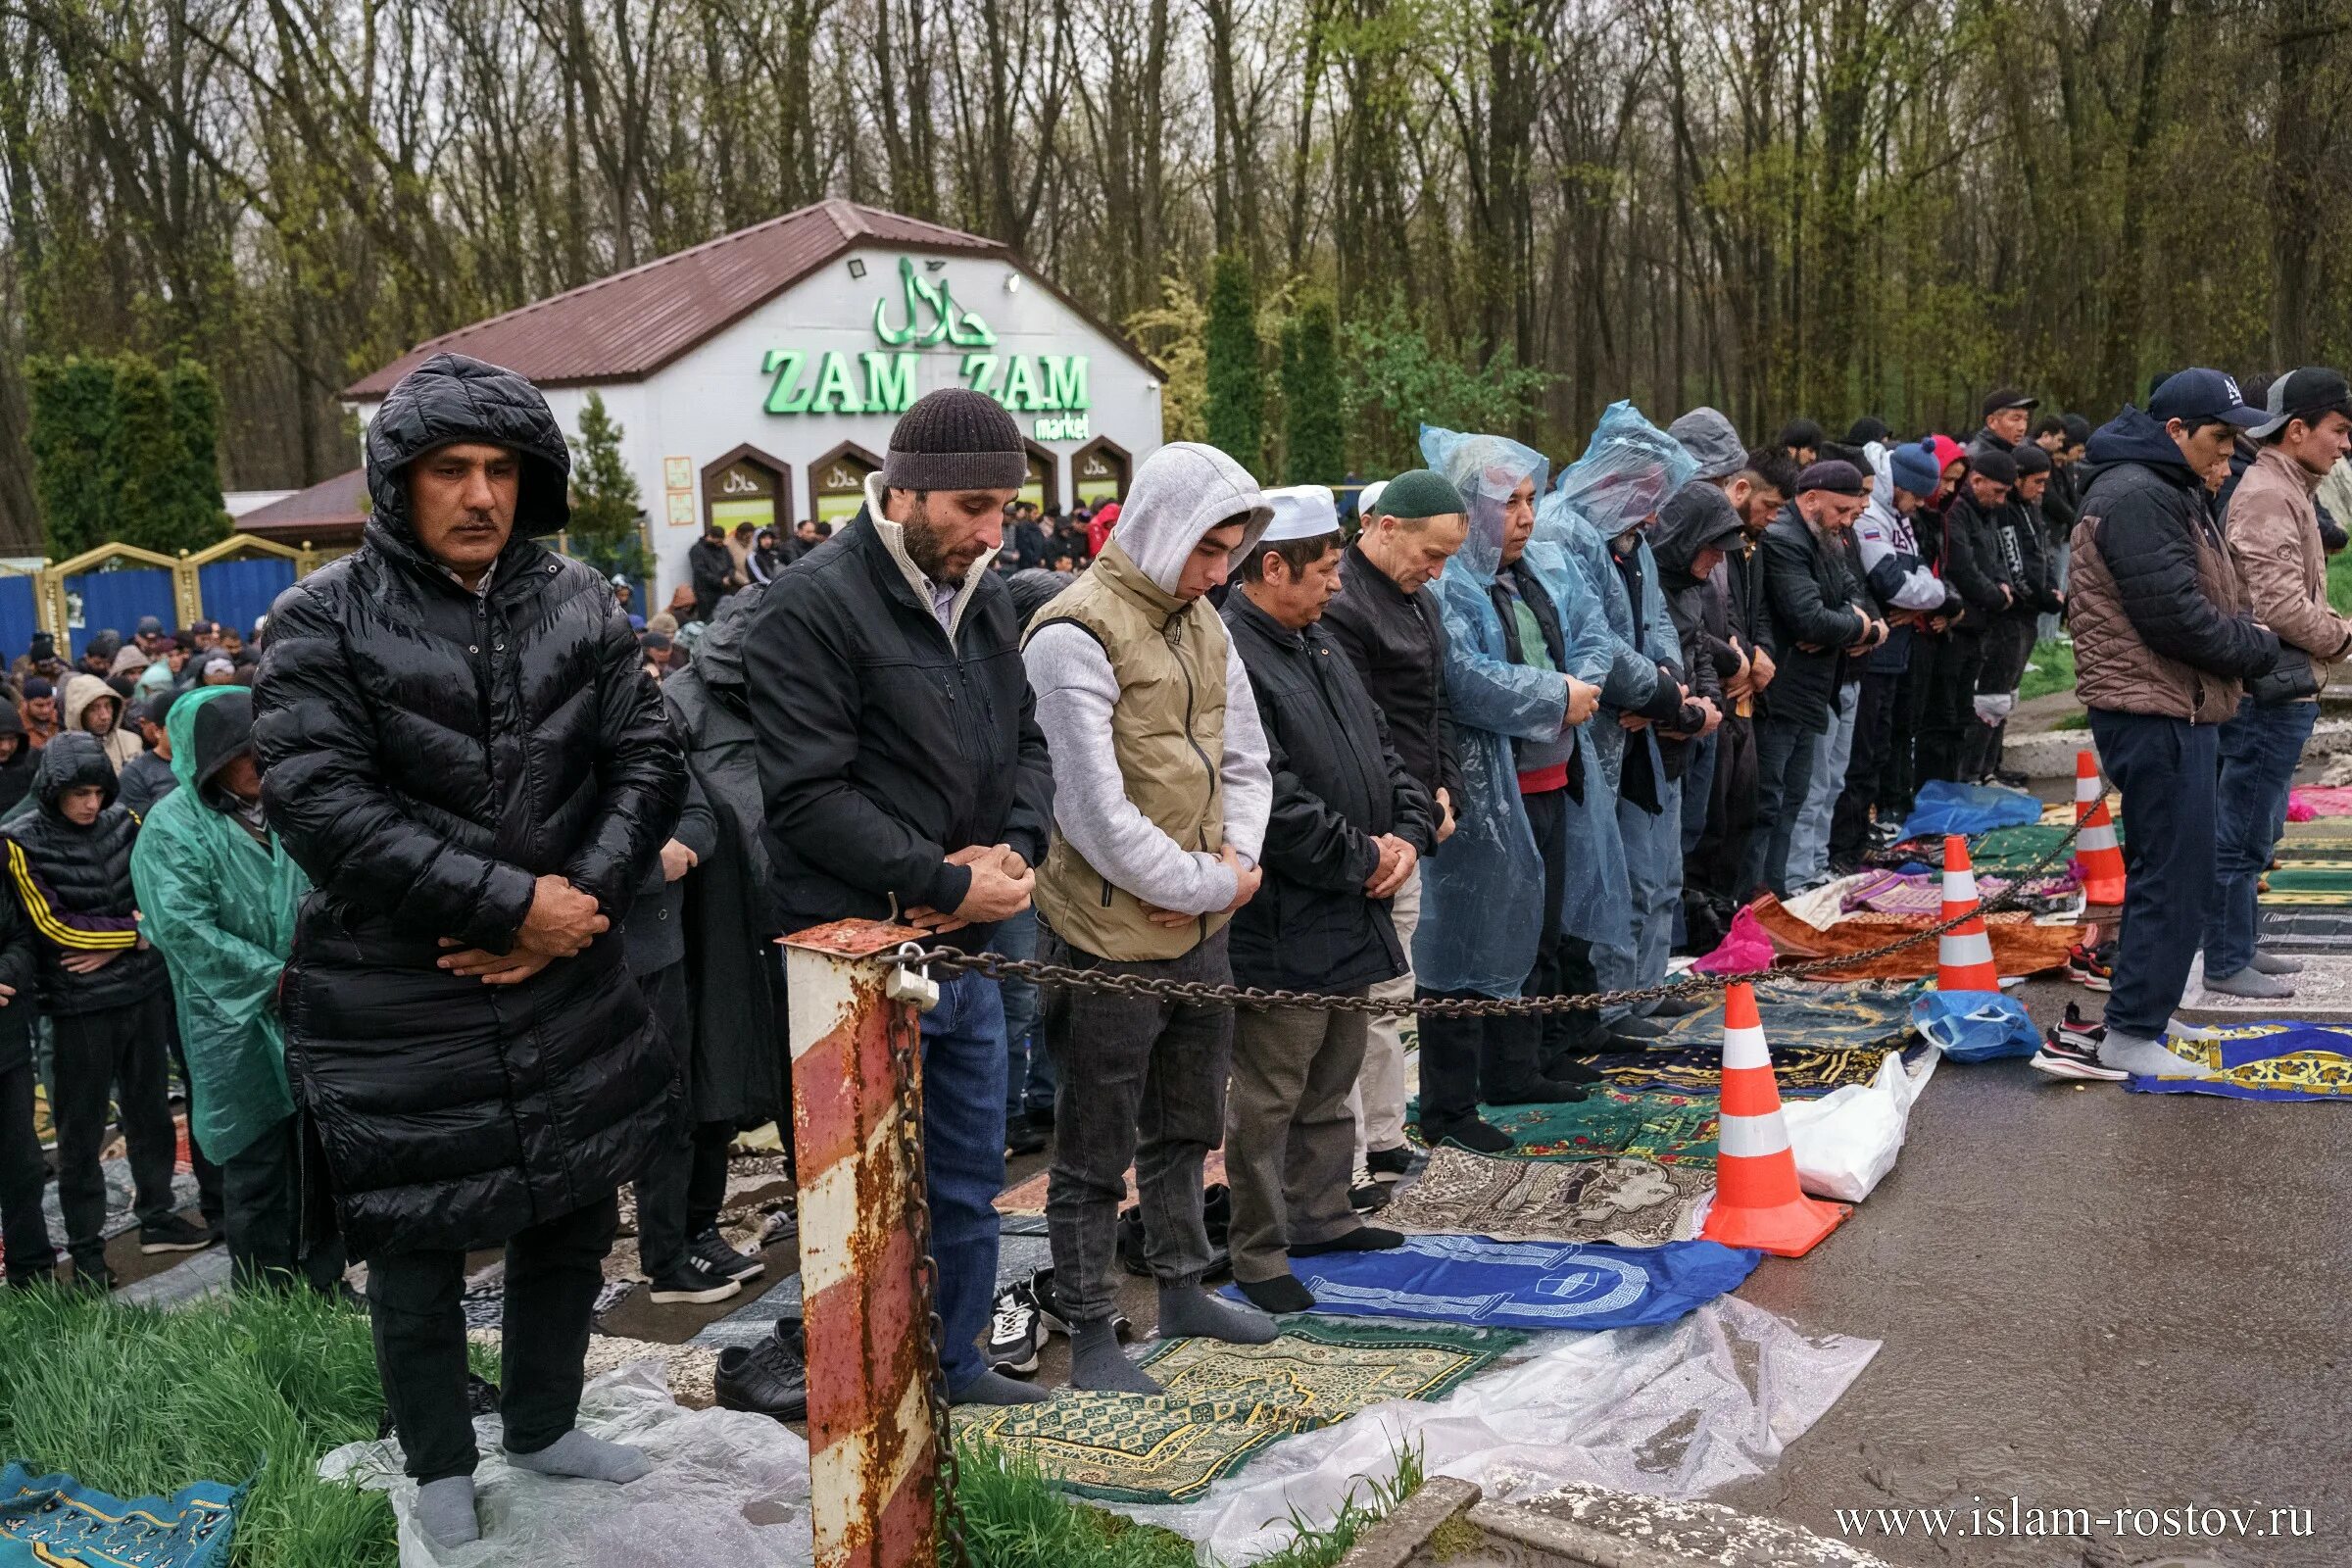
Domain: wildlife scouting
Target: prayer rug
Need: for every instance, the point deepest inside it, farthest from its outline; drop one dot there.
(2271, 1061)
(1670, 1129)
(55, 1521)
(2007, 848)
(1224, 1403)
(2323, 995)
(1695, 1065)
(1922, 895)
(1530, 1285)
(1624, 1202)
(2019, 945)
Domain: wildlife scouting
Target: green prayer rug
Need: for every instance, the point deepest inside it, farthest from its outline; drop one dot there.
(1224, 1403)
(1664, 1126)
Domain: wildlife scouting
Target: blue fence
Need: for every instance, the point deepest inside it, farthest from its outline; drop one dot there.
(19, 614)
(116, 600)
(239, 592)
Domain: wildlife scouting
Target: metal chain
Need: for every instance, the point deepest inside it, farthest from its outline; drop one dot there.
(905, 1040)
(998, 966)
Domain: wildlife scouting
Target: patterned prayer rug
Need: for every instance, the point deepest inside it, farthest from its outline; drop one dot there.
(2019, 946)
(1922, 894)
(1695, 1065)
(2322, 995)
(57, 1521)
(1468, 1279)
(2265, 1061)
(1626, 1202)
(1224, 1403)
(1670, 1129)
(2003, 850)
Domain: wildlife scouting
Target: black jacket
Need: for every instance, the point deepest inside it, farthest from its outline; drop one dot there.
(73, 884)
(883, 747)
(20, 970)
(1700, 517)
(1337, 785)
(428, 753)
(654, 932)
(16, 774)
(708, 563)
(1396, 642)
(146, 779)
(1970, 561)
(742, 1054)
(1808, 600)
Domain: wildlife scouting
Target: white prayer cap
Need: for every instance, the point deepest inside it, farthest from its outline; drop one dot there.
(1301, 512)
(1367, 500)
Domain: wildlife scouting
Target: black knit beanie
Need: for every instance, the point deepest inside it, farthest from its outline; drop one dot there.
(955, 439)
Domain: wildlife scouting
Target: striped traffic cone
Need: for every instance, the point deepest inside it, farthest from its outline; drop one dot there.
(2098, 859)
(1964, 954)
(1757, 1202)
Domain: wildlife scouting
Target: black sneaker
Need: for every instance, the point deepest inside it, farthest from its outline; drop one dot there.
(2011, 778)
(174, 1235)
(694, 1282)
(1367, 1196)
(1024, 1136)
(2071, 1051)
(1016, 1330)
(770, 1378)
(1391, 1161)
(2085, 967)
(712, 1248)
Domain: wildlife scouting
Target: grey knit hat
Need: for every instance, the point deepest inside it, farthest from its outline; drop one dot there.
(955, 439)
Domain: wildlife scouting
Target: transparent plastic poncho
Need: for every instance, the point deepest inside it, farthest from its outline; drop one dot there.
(1482, 894)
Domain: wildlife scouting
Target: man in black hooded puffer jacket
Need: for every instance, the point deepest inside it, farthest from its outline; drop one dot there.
(107, 994)
(461, 746)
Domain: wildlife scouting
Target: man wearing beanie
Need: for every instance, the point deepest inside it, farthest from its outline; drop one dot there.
(1388, 624)
(2025, 558)
(1812, 619)
(1970, 558)
(1161, 792)
(904, 776)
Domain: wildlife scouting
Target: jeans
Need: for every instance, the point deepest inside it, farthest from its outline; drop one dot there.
(1784, 750)
(1028, 1065)
(553, 1270)
(117, 1053)
(1699, 787)
(1290, 1143)
(2260, 748)
(2165, 768)
(1809, 842)
(262, 1195)
(23, 1229)
(1377, 1102)
(963, 1157)
(1653, 866)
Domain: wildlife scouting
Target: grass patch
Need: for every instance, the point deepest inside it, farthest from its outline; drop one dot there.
(1320, 1548)
(2339, 581)
(2073, 721)
(2051, 668)
(136, 1400)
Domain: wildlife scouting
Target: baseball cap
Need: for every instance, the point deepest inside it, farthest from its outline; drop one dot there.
(2304, 394)
(2007, 397)
(2198, 396)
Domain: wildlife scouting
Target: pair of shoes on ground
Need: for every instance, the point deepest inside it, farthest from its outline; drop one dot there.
(770, 1378)
(1024, 1314)
(2077, 1048)
(710, 1271)
(1026, 1134)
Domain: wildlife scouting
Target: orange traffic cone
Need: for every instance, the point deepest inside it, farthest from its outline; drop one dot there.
(1757, 1202)
(2097, 856)
(1964, 954)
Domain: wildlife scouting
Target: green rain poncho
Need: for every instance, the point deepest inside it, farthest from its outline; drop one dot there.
(220, 908)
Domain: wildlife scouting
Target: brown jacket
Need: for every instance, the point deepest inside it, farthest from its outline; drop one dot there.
(2115, 668)
(2274, 533)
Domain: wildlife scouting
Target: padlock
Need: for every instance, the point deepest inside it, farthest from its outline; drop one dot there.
(913, 984)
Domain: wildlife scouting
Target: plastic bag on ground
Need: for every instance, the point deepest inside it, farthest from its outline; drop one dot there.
(1846, 1141)
(1943, 807)
(1975, 1025)
(1746, 948)
(725, 1487)
(1675, 1410)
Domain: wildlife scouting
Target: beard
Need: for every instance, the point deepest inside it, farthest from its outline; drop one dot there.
(927, 549)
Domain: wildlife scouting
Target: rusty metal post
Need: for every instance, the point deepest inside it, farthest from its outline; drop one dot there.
(873, 1467)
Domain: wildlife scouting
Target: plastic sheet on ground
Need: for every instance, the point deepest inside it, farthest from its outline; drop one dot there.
(1675, 1410)
(725, 1487)
(1846, 1141)
(1943, 807)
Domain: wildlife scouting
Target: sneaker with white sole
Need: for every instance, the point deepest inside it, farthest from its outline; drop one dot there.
(713, 1249)
(695, 1283)
(1016, 1330)
(2071, 1049)
(173, 1233)
(2084, 966)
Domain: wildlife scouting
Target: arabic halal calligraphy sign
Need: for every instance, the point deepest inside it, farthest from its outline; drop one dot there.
(882, 380)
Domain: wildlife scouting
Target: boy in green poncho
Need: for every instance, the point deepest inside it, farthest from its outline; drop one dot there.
(219, 895)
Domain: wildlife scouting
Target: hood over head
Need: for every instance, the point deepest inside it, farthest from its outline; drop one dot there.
(718, 656)
(1628, 470)
(1712, 441)
(450, 398)
(2136, 436)
(129, 660)
(1483, 469)
(1181, 492)
(13, 723)
(69, 761)
(80, 692)
(208, 726)
(1700, 516)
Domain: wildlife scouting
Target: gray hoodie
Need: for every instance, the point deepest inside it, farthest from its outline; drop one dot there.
(1180, 492)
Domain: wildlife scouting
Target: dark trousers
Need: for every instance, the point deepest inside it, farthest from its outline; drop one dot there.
(553, 1270)
(1785, 753)
(2166, 769)
(1910, 709)
(1712, 869)
(262, 1199)
(682, 1186)
(115, 1053)
(1947, 668)
(24, 1231)
(1465, 1059)
(1871, 770)
(209, 1199)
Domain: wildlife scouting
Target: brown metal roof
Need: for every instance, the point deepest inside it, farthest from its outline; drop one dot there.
(331, 512)
(626, 326)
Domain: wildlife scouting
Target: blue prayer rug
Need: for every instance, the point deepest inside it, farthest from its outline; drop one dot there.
(56, 1522)
(2272, 1060)
(1527, 1285)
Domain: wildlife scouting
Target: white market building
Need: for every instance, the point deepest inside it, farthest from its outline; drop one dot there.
(757, 376)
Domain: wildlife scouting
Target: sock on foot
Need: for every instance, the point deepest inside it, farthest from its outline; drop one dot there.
(991, 1387)
(1098, 1362)
(445, 1511)
(1191, 1310)
(1471, 1133)
(2146, 1058)
(2276, 963)
(1281, 1294)
(2251, 983)
(576, 1453)
(1363, 1238)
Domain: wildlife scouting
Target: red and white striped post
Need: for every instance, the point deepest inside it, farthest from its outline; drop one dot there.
(872, 1470)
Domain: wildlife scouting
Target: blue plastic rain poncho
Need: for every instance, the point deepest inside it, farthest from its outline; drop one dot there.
(221, 907)
(1482, 895)
(1593, 903)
